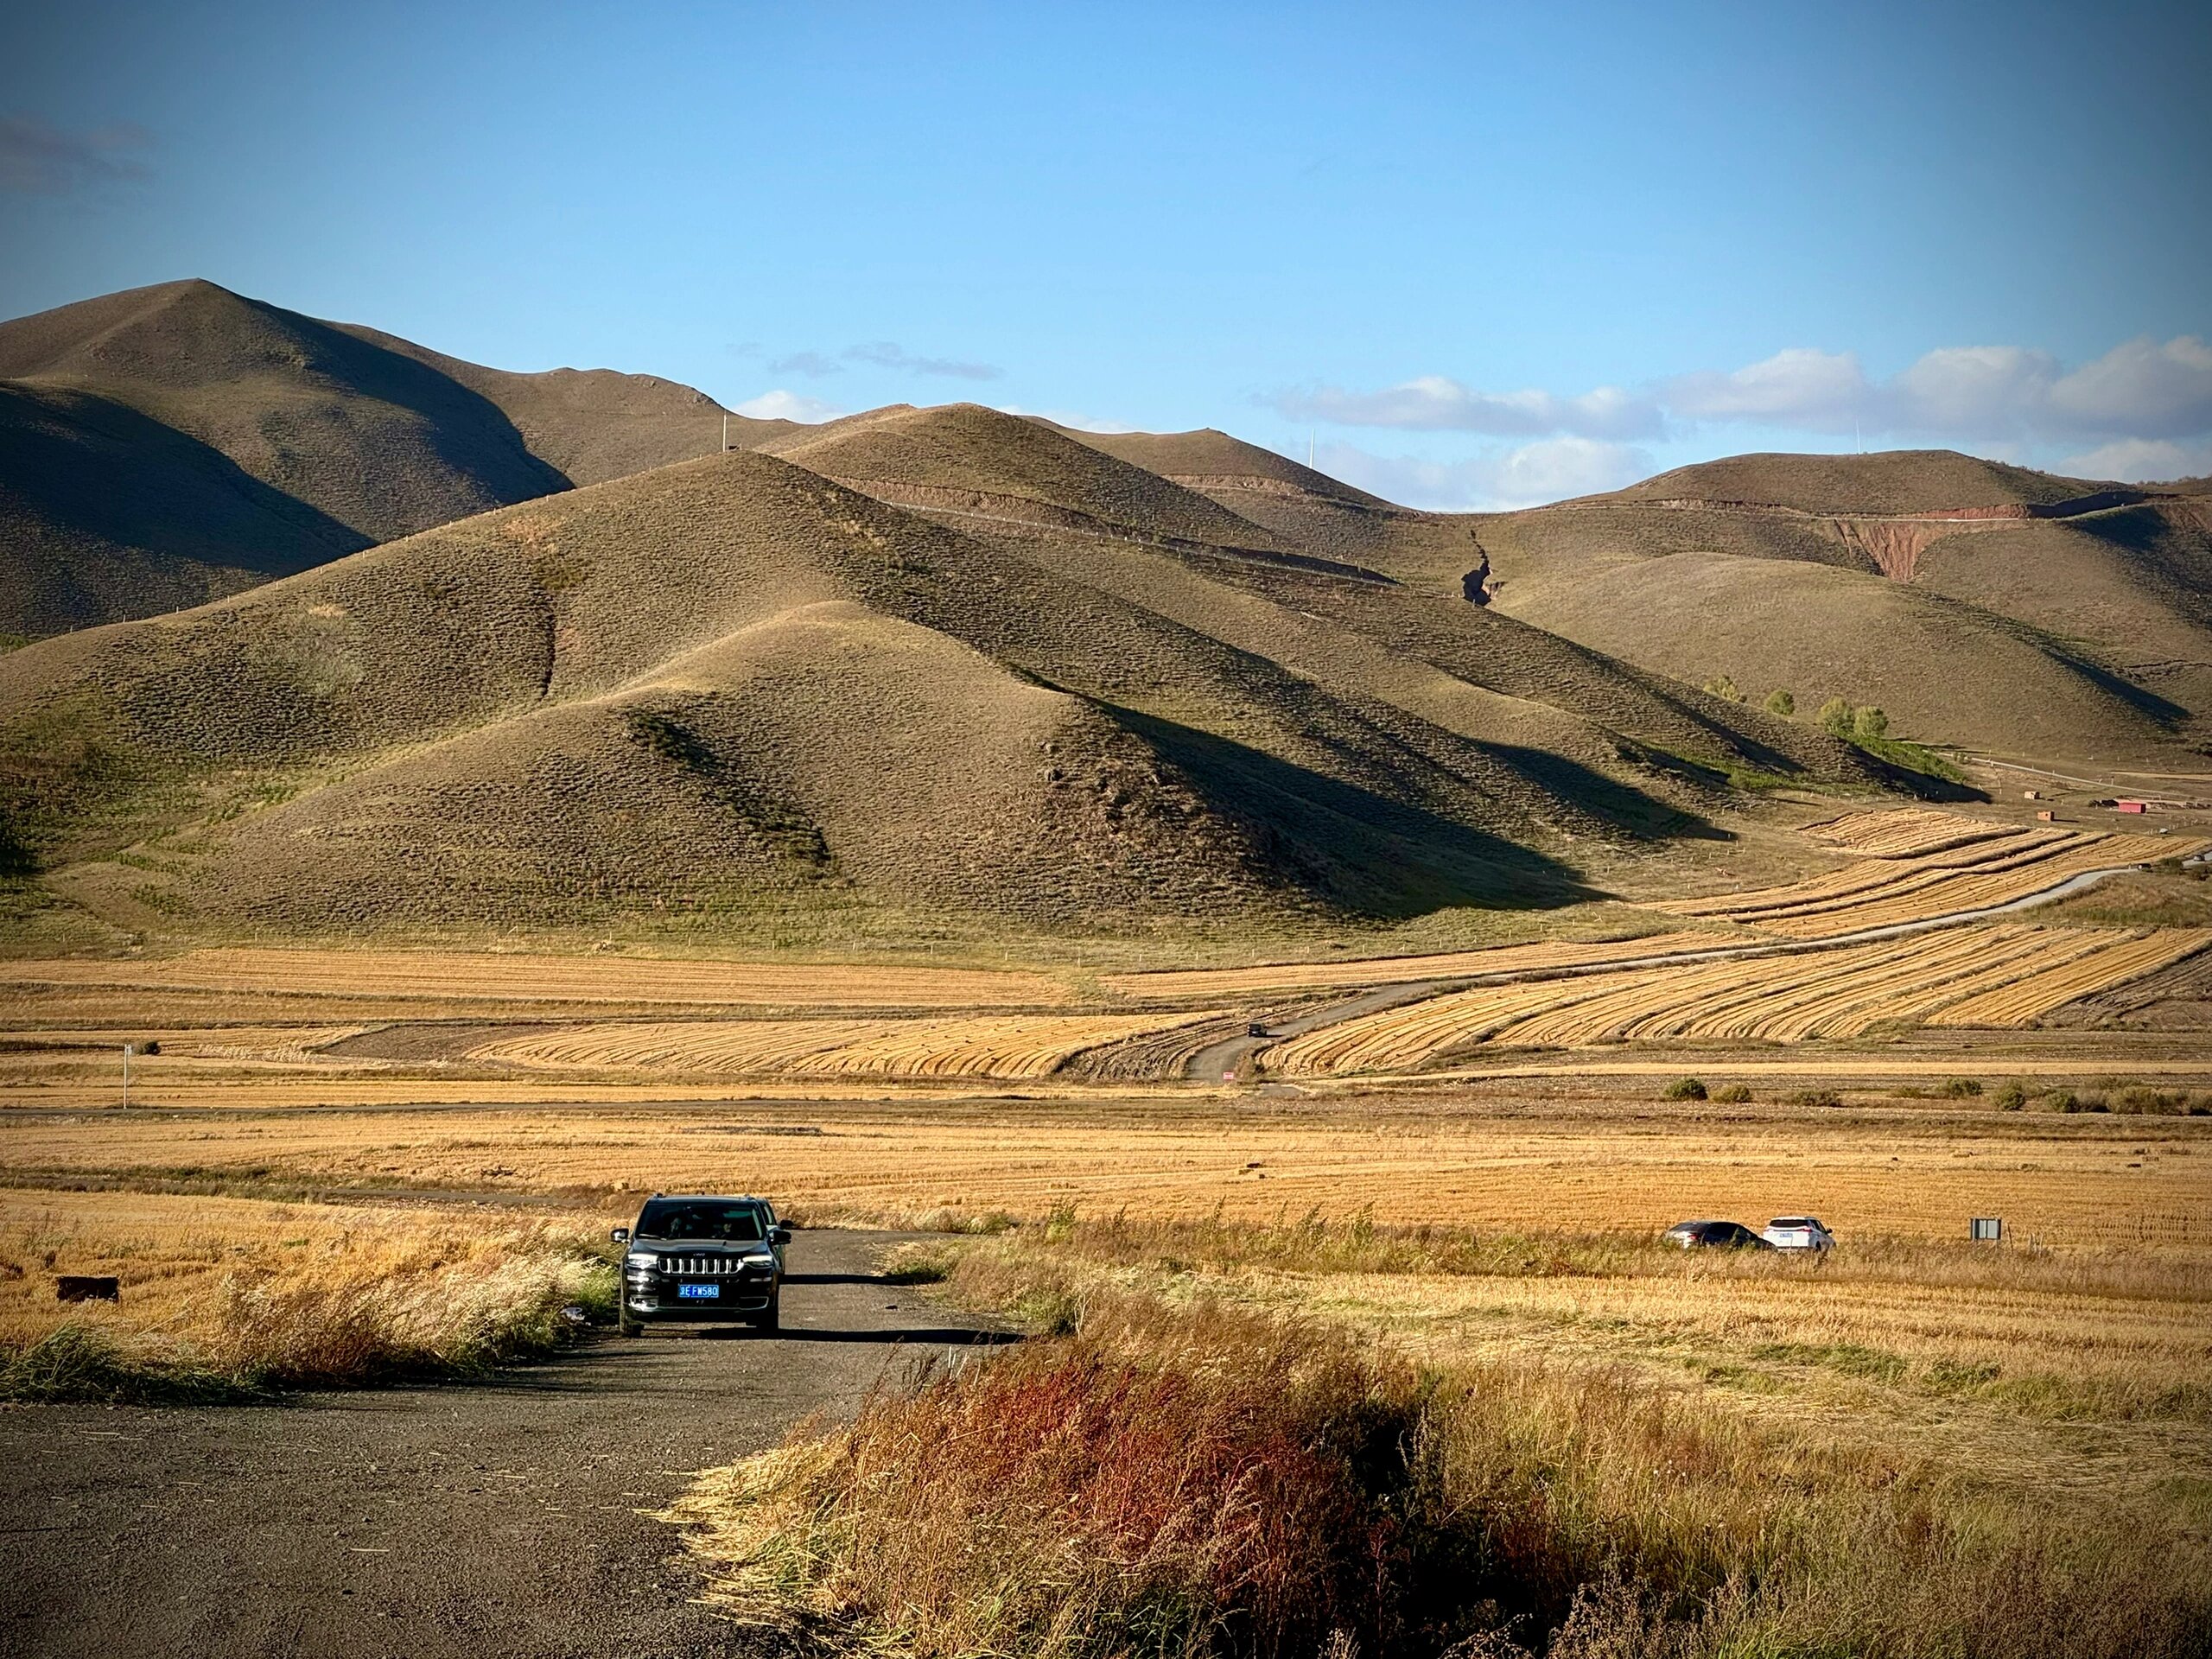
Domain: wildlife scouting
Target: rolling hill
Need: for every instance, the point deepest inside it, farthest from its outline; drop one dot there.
(167, 445)
(734, 689)
(2011, 610)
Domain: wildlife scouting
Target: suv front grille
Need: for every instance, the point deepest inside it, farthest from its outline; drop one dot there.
(707, 1267)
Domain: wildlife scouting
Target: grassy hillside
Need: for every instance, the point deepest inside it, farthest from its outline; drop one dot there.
(1902, 481)
(594, 424)
(1298, 507)
(964, 460)
(732, 690)
(1978, 604)
(166, 444)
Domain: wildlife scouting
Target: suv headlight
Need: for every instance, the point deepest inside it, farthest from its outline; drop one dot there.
(641, 1263)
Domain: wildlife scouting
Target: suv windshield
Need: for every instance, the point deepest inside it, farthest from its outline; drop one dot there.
(737, 1224)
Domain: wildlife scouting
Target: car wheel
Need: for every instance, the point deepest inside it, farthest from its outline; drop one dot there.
(771, 1319)
(626, 1325)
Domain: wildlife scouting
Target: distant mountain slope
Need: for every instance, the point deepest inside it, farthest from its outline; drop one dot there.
(1299, 507)
(2012, 611)
(1899, 480)
(594, 424)
(105, 512)
(733, 689)
(240, 440)
(963, 459)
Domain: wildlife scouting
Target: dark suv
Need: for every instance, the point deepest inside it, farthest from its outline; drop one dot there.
(703, 1260)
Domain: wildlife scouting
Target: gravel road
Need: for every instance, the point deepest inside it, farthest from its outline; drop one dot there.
(499, 1519)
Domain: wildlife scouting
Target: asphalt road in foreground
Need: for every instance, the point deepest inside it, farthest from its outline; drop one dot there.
(483, 1520)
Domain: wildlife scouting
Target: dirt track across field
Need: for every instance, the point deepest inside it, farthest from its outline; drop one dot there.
(501, 1519)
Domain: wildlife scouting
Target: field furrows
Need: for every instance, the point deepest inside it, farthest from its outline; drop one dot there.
(1904, 832)
(1395, 1039)
(2046, 948)
(1874, 875)
(1388, 970)
(1762, 1007)
(1976, 889)
(1656, 1001)
(1007, 1045)
(518, 977)
(2009, 974)
(2026, 1001)
(1152, 1056)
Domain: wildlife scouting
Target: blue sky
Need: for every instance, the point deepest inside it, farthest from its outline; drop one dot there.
(1476, 255)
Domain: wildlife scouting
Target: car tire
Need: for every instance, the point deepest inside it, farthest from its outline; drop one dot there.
(626, 1325)
(771, 1319)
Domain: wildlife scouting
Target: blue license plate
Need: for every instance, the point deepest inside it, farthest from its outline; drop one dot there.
(698, 1293)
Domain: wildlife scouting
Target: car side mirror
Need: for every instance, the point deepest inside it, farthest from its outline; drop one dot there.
(779, 1235)
(619, 1234)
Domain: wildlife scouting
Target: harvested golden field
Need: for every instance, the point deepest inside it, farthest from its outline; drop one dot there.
(1394, 970)
(1523, 1155)
(1904, 832)
(1881, 893)
(2025, 1000)
(519, 976)
(1842, 993)
(1012, 1046)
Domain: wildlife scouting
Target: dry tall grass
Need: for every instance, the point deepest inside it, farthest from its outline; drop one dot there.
(225, 1297)
(1195, 1479)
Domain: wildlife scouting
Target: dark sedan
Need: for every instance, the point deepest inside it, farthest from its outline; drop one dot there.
(1715, 1236)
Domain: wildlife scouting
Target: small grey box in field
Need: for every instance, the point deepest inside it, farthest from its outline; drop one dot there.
(1990, 1228)
(87, 1287)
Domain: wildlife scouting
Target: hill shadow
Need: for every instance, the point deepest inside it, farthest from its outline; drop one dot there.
(1351, 846)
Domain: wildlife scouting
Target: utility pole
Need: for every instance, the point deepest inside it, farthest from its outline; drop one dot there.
(725, 431)
(126, 1077)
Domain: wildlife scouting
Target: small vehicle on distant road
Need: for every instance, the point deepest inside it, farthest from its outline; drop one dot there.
(1714, 1235)
(699, 1259)
(1798, 1233)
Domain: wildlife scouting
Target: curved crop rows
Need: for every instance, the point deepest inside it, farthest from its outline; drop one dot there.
(1982, 976)
(1413, 1034)
(1398, 970)
(1004, 1045)
(2024, 1002)
(1879, 893)
(1978, 888)
(1874, 875)
(1904, 832)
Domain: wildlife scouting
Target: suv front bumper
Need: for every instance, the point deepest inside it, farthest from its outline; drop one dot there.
(657, 1297)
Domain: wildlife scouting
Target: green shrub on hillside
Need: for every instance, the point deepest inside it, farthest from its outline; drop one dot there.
(1780, 702)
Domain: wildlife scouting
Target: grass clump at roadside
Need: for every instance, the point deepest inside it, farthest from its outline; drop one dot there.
(217, 1317)
(1195, 1478)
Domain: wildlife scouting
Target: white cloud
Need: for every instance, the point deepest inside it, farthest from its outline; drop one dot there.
(2141, 461)
(1967, 390)
(2142, 388)
(1819, 390)
(39, 159)
(1526, 475)
(1986, 396)
(1435, 403)
(781, 405)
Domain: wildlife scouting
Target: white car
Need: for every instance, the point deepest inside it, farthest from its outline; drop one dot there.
(1798, 1233)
